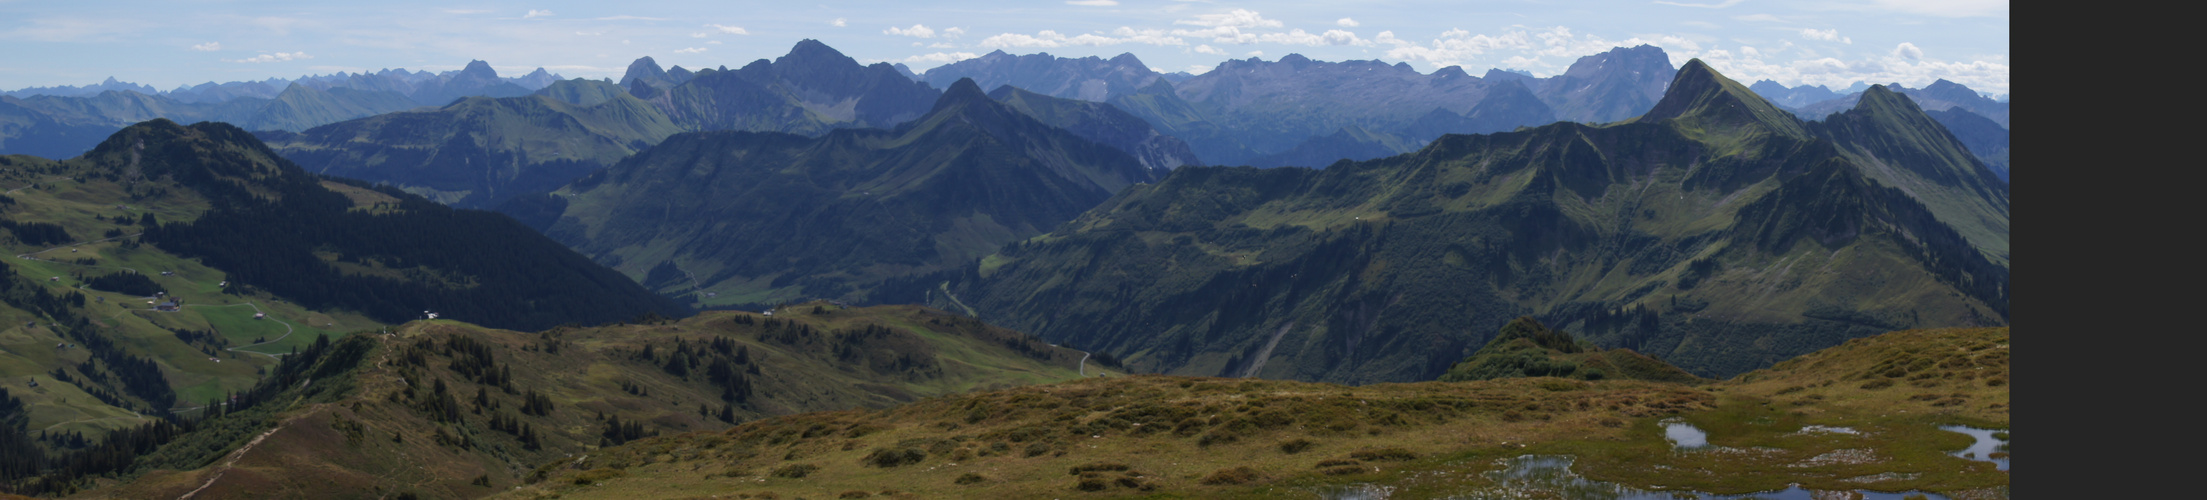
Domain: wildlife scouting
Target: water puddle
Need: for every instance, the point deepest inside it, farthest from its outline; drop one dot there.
(1990, 446)
(1684, 436)
(1359, 491)
(1550, 476)
(1825, 429)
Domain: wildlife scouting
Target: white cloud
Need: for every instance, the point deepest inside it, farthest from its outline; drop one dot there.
(1300, 37)
(839, 22)
(1093, 3)
(953, 32)
(916, 31)
(630, 18)
(1347, 22)
(1830, 35)
(699, 35)
(1946, 8)
(1239, 18)
(1718, 5)
(589, 33)
(1760, 18)
(276, 57)
(712, 42)
(691, 50)
(1206, 49)
(1908, 51)
(938, 58)
(732, 30)
(208, 47)
(1051, 38)
(533, 14)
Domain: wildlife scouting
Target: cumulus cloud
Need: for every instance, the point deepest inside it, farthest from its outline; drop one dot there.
(1347, 23)
(533, 14)
(276, 57)
(1300, 37)
(1051, 38)
(1944, 8)
(916, 31)
(1206, 49)
(208, 47)
(839, 22)
(1239, 18)
(1908, 51)
(1830, 35)
(1093, 3)
(938, 58)
(691, 50)
(953, 32)
(732, 30)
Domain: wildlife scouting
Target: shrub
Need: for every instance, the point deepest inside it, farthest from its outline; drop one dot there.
(1335, 462)
(1098, 466)
(886, 458)
(853, 493)
(594, 475)
(794, 471)
(1235, 475)
(1877, 384)
(1345, 470)
(1092, 484)
(970, 478)
(1385, 455)
(1294, 446)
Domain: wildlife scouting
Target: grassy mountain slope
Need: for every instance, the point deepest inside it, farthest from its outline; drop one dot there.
(390, 430)
(301, 107)
(1985, 138)
(480, 151)
(1732, 236)
(1907, 149)
(760, 217)
(1163, 436)
(1103, 124)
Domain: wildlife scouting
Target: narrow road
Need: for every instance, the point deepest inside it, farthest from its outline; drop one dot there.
(1084, 363)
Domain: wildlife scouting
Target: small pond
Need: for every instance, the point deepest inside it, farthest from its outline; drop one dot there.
(1986, 446)
(1684, 436)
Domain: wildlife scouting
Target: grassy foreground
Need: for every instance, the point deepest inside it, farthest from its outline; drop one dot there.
(1183, 437)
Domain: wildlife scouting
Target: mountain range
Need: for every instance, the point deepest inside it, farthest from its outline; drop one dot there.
(1717, 232)
(62, 122)
(735, 217)
(1243, 110)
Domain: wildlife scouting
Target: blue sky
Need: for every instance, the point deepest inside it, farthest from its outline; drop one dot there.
(179, 42)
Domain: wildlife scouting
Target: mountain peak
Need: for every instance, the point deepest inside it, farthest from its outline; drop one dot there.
(644, 69)
(961, 92)
(812, 50)
(479, 68)
(1703, 97)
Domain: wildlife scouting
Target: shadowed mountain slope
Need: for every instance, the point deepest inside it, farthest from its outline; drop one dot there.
(752, 217)
(1728, 232)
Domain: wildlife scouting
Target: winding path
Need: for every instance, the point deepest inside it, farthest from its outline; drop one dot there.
(288, 330)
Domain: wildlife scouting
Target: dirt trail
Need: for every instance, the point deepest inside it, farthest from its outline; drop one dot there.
(234, 456)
